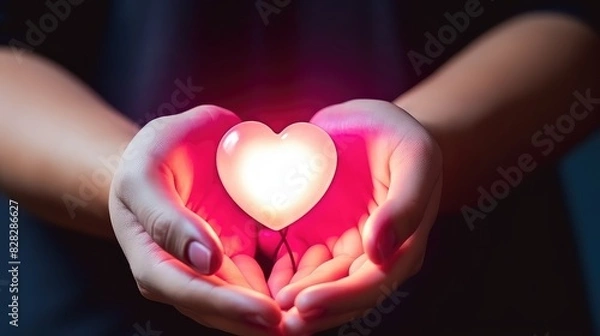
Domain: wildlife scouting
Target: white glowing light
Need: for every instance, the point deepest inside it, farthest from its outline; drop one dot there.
(276, 178)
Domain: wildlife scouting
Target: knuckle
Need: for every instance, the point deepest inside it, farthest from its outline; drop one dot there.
(159, 226)
(431, 149)
(127, 184)
(427, 146)
(157, 123)
(141, 275)
(143, 279)
(162, 124)
(122, 181)
(147, 293)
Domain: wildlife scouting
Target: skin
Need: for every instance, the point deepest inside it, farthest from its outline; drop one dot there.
(524, 70)
(501, 90)
(165, 197)
(484, 93)
(405, 179)
(52, 120)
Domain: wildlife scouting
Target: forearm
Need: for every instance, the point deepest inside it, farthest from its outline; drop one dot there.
(54, 136)
(487, 104)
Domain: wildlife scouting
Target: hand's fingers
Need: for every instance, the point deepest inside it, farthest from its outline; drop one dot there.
(230, 273)
(296, 324)
(330, 270)
(146, 185)
(415, 179)
(250, 327)
(281, 274)
(373, 282)
(252, 272)
(346, 250)
(348, 244)
(165, 279)
(312, 258)
(358, 263)
(354, 292)
(402, 155)
(171, 225)
(369, 284)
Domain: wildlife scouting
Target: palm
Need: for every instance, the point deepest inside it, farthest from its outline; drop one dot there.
(373, 140)
(167, 205)
(317, 236)
(192, 168)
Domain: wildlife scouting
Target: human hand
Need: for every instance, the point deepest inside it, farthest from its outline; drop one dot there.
(370, 229)
(187, 242)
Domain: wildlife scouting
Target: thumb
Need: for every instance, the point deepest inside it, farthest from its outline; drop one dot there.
(415, 173)
(145, 185)
(174, 227)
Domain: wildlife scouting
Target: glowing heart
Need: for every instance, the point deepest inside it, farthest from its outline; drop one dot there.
(276, 178)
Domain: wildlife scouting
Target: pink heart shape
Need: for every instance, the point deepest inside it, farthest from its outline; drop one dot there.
(276, 178)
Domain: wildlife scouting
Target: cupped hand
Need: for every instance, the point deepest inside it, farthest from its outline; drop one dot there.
(370, 229)
(187, 242)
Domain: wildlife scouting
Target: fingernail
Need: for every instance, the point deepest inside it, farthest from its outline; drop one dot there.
(387, 244)
(313, 314)
(258, 319)
(199, 256)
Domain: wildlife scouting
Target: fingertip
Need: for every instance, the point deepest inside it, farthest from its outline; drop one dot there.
(385, 234)
(293, 323)
(296, 323)
(285, 298)
(258, 305)
(273, 316)
(202, 233)
(281, 275)
(305, 300)
(387, 242)
(377, 238)
(216, 262)
(203, 259)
